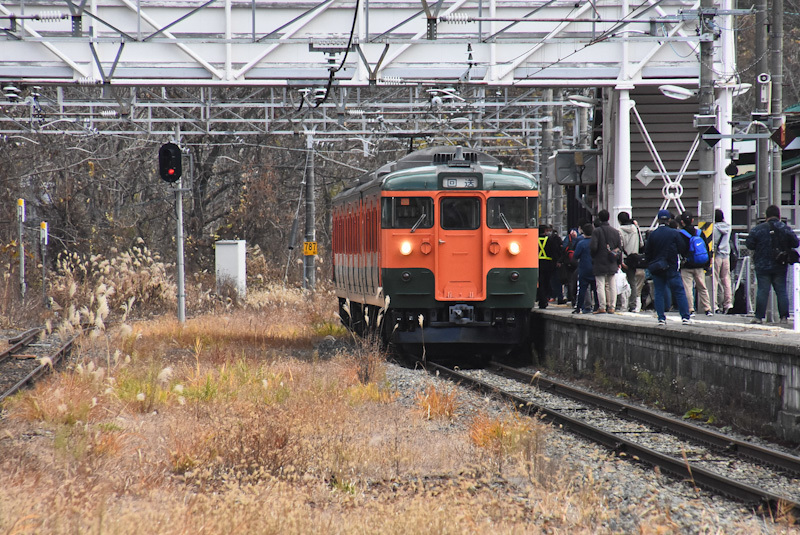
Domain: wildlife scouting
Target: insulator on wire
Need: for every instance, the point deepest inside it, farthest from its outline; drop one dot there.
(108, 113)
(85, 80)
(392, 80)
(51, 16)
(456, 18)
(355, 112)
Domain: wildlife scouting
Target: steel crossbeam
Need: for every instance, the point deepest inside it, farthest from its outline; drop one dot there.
(241, 42)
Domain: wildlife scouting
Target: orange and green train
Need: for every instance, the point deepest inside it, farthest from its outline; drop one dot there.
(440, 249)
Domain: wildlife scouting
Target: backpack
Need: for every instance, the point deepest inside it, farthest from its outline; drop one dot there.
(698, 251)
(783, 253)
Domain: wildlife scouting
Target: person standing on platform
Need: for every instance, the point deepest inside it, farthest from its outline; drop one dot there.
(632, 244)
(585, 271)
(663, 248)
(549, 250)
(722, 262)
(568, 266)
(767, 240)
(693, 268)
(605, 243)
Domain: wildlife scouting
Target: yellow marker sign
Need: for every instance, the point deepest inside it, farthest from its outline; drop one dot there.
(309, 248)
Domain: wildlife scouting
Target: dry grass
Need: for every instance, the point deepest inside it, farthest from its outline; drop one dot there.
(437, 403)
(234, 423)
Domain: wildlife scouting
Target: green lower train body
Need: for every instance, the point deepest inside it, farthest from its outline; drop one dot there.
(416, 320)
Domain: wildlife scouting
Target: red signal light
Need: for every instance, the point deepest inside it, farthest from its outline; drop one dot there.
(169, 162)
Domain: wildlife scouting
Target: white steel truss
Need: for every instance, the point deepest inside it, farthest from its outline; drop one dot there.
(353, 43)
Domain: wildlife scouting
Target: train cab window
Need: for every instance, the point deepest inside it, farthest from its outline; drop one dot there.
(511, 212)
(406, 212)
(460, 213)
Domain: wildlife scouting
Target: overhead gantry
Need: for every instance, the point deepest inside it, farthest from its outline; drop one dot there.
(469, 69)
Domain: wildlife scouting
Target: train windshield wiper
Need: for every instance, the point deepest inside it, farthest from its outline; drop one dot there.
(419, 221)
(505, 221)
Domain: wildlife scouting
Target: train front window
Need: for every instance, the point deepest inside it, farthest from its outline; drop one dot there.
(407, 212)
(460, 213)
(511, 212)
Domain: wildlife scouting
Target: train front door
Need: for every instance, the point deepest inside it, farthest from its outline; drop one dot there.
(459, 262)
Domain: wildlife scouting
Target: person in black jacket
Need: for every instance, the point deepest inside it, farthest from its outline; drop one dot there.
(604, 240)
(549, 251)
(662, 250)
(766, 240)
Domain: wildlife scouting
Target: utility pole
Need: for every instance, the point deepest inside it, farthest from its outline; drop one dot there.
(707, 115)
(547, 151)
(776, 68)
(762, 107)
(21, 248)
(309, 250)
(43, 252)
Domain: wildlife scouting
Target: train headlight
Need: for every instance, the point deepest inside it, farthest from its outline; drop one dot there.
(405, 248)
(513, 248)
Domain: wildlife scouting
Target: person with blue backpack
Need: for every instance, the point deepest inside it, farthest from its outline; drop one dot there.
(694, 264)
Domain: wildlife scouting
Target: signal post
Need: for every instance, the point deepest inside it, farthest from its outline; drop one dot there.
(170, 168)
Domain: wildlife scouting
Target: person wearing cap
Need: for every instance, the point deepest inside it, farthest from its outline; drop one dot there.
(693, 274)
(663, 248)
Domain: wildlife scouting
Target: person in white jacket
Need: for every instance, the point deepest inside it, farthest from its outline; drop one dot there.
(632, 245)
(722, 265)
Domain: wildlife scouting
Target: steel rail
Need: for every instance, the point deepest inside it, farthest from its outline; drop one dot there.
(707, 437)
(19, 341)
(40, 370)
(683, 470)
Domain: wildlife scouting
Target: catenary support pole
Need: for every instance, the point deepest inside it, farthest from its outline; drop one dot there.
(776, 105)
(309, 278)
(21, 221)
(179, 235)
(706, 97)
(43, 252)
(760, 112)
(723, 184)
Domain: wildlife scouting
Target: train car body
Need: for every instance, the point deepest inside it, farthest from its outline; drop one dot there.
(443, 246)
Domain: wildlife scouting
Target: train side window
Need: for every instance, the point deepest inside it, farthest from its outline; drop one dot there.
(460, 213)
(518, 212)
(406, 212)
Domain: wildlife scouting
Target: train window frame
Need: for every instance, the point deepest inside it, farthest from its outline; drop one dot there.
(447, 216)
(529, 217)
(391, 220)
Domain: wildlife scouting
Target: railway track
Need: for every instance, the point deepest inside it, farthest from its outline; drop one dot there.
(23, 361)
(765, 479)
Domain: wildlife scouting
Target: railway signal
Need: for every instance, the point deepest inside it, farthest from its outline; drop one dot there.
(169, 162)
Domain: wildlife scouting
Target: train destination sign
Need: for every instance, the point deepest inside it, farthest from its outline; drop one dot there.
(460, 182)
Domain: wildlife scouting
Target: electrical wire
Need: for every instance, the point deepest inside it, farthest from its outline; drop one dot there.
(344, 59)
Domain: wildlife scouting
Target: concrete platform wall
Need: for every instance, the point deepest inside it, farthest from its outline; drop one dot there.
(752, 384)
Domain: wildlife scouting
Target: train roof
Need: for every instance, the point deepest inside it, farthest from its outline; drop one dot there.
(420, 170)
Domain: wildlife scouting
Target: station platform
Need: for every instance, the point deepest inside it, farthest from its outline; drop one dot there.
(735, 325)
(730, 370)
